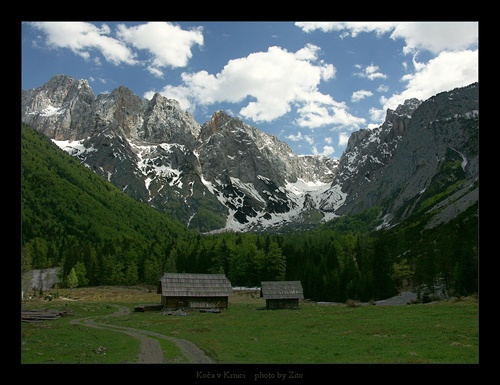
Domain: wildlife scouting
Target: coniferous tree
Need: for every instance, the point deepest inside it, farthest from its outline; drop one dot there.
(131, 274)
(274, 266)
(170, 266)
(72, 279)
(81, 274)
(152, 271)
(402, 273)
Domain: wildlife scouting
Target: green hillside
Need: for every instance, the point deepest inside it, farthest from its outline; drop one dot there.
(75, 219)
(70, 215)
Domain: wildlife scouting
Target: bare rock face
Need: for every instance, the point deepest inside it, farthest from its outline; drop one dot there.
(367, 155)
(421, 149)
(222, 174)
(60, 109)
(250, 170)
(226, 174)
(122, 111)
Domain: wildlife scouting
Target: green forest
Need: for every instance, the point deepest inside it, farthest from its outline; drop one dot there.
(76, 220)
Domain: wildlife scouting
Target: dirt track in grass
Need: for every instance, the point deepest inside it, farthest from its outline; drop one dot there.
(150, 351)
(150, 348)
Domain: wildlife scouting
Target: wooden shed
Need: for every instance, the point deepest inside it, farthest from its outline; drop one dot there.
(282, 294)
(194, 291)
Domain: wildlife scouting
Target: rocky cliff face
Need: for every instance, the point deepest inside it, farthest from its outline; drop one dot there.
(365, 160)
(420, 151)
(226, 174)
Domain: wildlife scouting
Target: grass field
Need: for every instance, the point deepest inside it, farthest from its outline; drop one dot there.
(445, 332)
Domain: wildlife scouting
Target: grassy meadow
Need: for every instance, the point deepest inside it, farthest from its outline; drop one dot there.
(445, 332)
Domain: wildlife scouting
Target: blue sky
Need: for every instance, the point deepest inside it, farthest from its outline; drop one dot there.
(309, 83)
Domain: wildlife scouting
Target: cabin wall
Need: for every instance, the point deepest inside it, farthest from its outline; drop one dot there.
(290, 303)
(174, 303)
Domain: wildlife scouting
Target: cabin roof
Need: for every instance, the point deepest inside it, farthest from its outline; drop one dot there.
(281, 290)
(194, 285)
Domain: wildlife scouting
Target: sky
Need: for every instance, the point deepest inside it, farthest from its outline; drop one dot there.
(311, 84)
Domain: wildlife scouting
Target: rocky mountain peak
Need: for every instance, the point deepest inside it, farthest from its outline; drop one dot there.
(226, 174)
(165, 122)
(406, 109)
(218, 119)
(60, 86)
(398, 119)
(217, 122)
(122, 93)
(51, 107)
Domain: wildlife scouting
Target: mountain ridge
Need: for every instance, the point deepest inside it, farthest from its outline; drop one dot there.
(225, 174)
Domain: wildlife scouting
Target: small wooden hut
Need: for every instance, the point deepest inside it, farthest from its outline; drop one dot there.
(194, 291)
(282, 294)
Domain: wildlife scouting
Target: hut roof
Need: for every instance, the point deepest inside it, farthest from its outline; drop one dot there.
(194, 285)
(281, 290)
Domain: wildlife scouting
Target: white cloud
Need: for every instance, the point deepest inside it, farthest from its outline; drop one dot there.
(295, 138)
(349, 28)
(155, 72)
(343, 138)
(452, 44)
(272, 81)
(82, 38)
(370, 72)
(360, 95)
(314, 115)
(327, 151)
(443, 73)
(168, 44)
(437, 36)
(299, 137)
(309, 139)
(382, 88)
(377, 116)
(431, 36)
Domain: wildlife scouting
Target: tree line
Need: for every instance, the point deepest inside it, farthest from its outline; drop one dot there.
(74, 219)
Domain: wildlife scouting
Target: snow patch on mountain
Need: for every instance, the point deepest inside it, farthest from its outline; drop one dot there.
(297, 192)
(72, 147)
(332, 199)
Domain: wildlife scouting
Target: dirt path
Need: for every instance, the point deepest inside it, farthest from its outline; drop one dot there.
(402, 298)
(150, 351)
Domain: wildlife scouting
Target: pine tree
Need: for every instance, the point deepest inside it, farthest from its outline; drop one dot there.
(72, 279)
(81, 274)
(274, 263)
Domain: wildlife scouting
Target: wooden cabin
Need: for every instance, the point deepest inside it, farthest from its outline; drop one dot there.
(282, 294)
(194, 291)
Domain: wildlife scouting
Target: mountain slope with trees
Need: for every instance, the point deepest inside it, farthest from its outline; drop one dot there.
(76, 220)
(72, 217)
